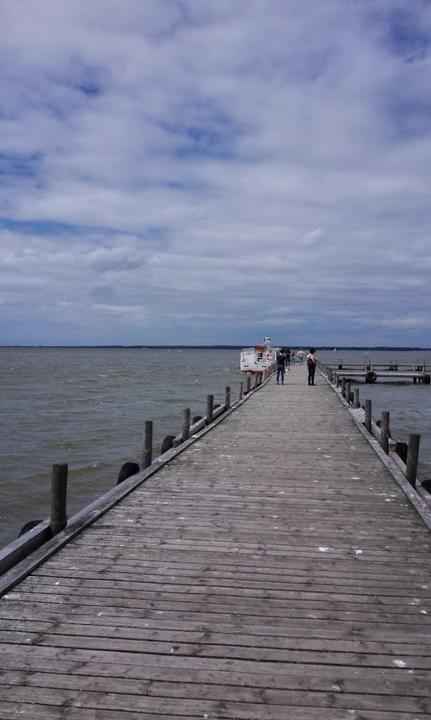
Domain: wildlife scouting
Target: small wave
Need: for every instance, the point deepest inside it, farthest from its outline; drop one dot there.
(86, 469)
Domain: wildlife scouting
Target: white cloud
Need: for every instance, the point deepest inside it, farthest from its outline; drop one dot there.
(162, 161)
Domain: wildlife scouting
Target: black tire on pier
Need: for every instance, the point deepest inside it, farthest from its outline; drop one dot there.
(28, 526)
(370, 377)
(167, 443)
(127, 470)
(426, 484)
(401, 450)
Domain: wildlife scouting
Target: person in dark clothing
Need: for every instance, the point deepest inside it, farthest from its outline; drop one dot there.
(311, 365)
(281, 367)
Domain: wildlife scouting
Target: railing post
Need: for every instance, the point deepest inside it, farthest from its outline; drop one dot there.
(147, 456)
(412, 458)
(343, 386)
(241, 390)
(356, 403)
(58, 519)
(368, 411)
(185, 431)
(227, 397)
(384, 431)
(210, 408)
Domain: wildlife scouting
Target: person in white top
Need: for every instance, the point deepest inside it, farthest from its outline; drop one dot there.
(311, 365)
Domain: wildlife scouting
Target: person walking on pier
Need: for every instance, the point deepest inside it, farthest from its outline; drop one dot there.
(311, 365)
(281, 367)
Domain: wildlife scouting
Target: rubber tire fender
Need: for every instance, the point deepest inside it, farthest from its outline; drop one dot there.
(127, 470)
(167, 443)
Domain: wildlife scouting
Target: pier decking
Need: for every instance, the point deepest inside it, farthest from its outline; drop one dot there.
(272, 571)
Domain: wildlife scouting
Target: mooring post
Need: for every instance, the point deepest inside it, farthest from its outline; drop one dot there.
(343, 386)
(58, 519)
(356, 403)
(337, 376)
(147, 456)
(248, 384)
(384, 431)
(210, 408)
(185, 430)
(227, 397)
(368, 410)
(241, 390)
(347, 395)
(412, 458)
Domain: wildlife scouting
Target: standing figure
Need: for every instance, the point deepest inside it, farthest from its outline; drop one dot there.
(281, 367)
(311, 365)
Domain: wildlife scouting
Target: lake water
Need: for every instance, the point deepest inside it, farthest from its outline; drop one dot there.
(87, 407)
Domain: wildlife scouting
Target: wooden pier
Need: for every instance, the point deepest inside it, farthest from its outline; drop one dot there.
(276, 569)
(372, 376)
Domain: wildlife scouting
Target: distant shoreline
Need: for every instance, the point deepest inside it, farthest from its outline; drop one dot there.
(205, 347)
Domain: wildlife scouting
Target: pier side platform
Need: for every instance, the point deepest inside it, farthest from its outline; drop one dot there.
(274, 570)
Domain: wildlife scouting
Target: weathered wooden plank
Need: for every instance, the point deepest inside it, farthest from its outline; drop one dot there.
(208, 637)
(38, 656)
(171, 591)
(347, 679)
(184, 576)
(24, 620)
(226, 692)
(321, 652)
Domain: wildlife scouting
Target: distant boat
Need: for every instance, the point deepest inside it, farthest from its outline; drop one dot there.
(258, 358)
(335, 349)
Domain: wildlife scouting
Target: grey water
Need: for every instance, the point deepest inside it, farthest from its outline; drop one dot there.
(87, 407)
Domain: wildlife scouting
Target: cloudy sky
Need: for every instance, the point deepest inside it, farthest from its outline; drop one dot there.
(200, 171)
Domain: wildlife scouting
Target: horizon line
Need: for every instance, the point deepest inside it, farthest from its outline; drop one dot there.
(220, 346)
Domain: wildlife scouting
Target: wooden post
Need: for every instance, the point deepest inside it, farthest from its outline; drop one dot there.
(412, 458)
(343, 387)
(210, 408)
(347, 394)
(227, 397)
(368, 410)
(185, 431)
(241, 390)
(338, 380)
(331, 376)
(248, 384)
(147, 456)
(356, 403)
(58, 519)
(384, 431)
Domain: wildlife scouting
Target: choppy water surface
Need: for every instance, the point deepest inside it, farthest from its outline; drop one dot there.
(87, 407)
